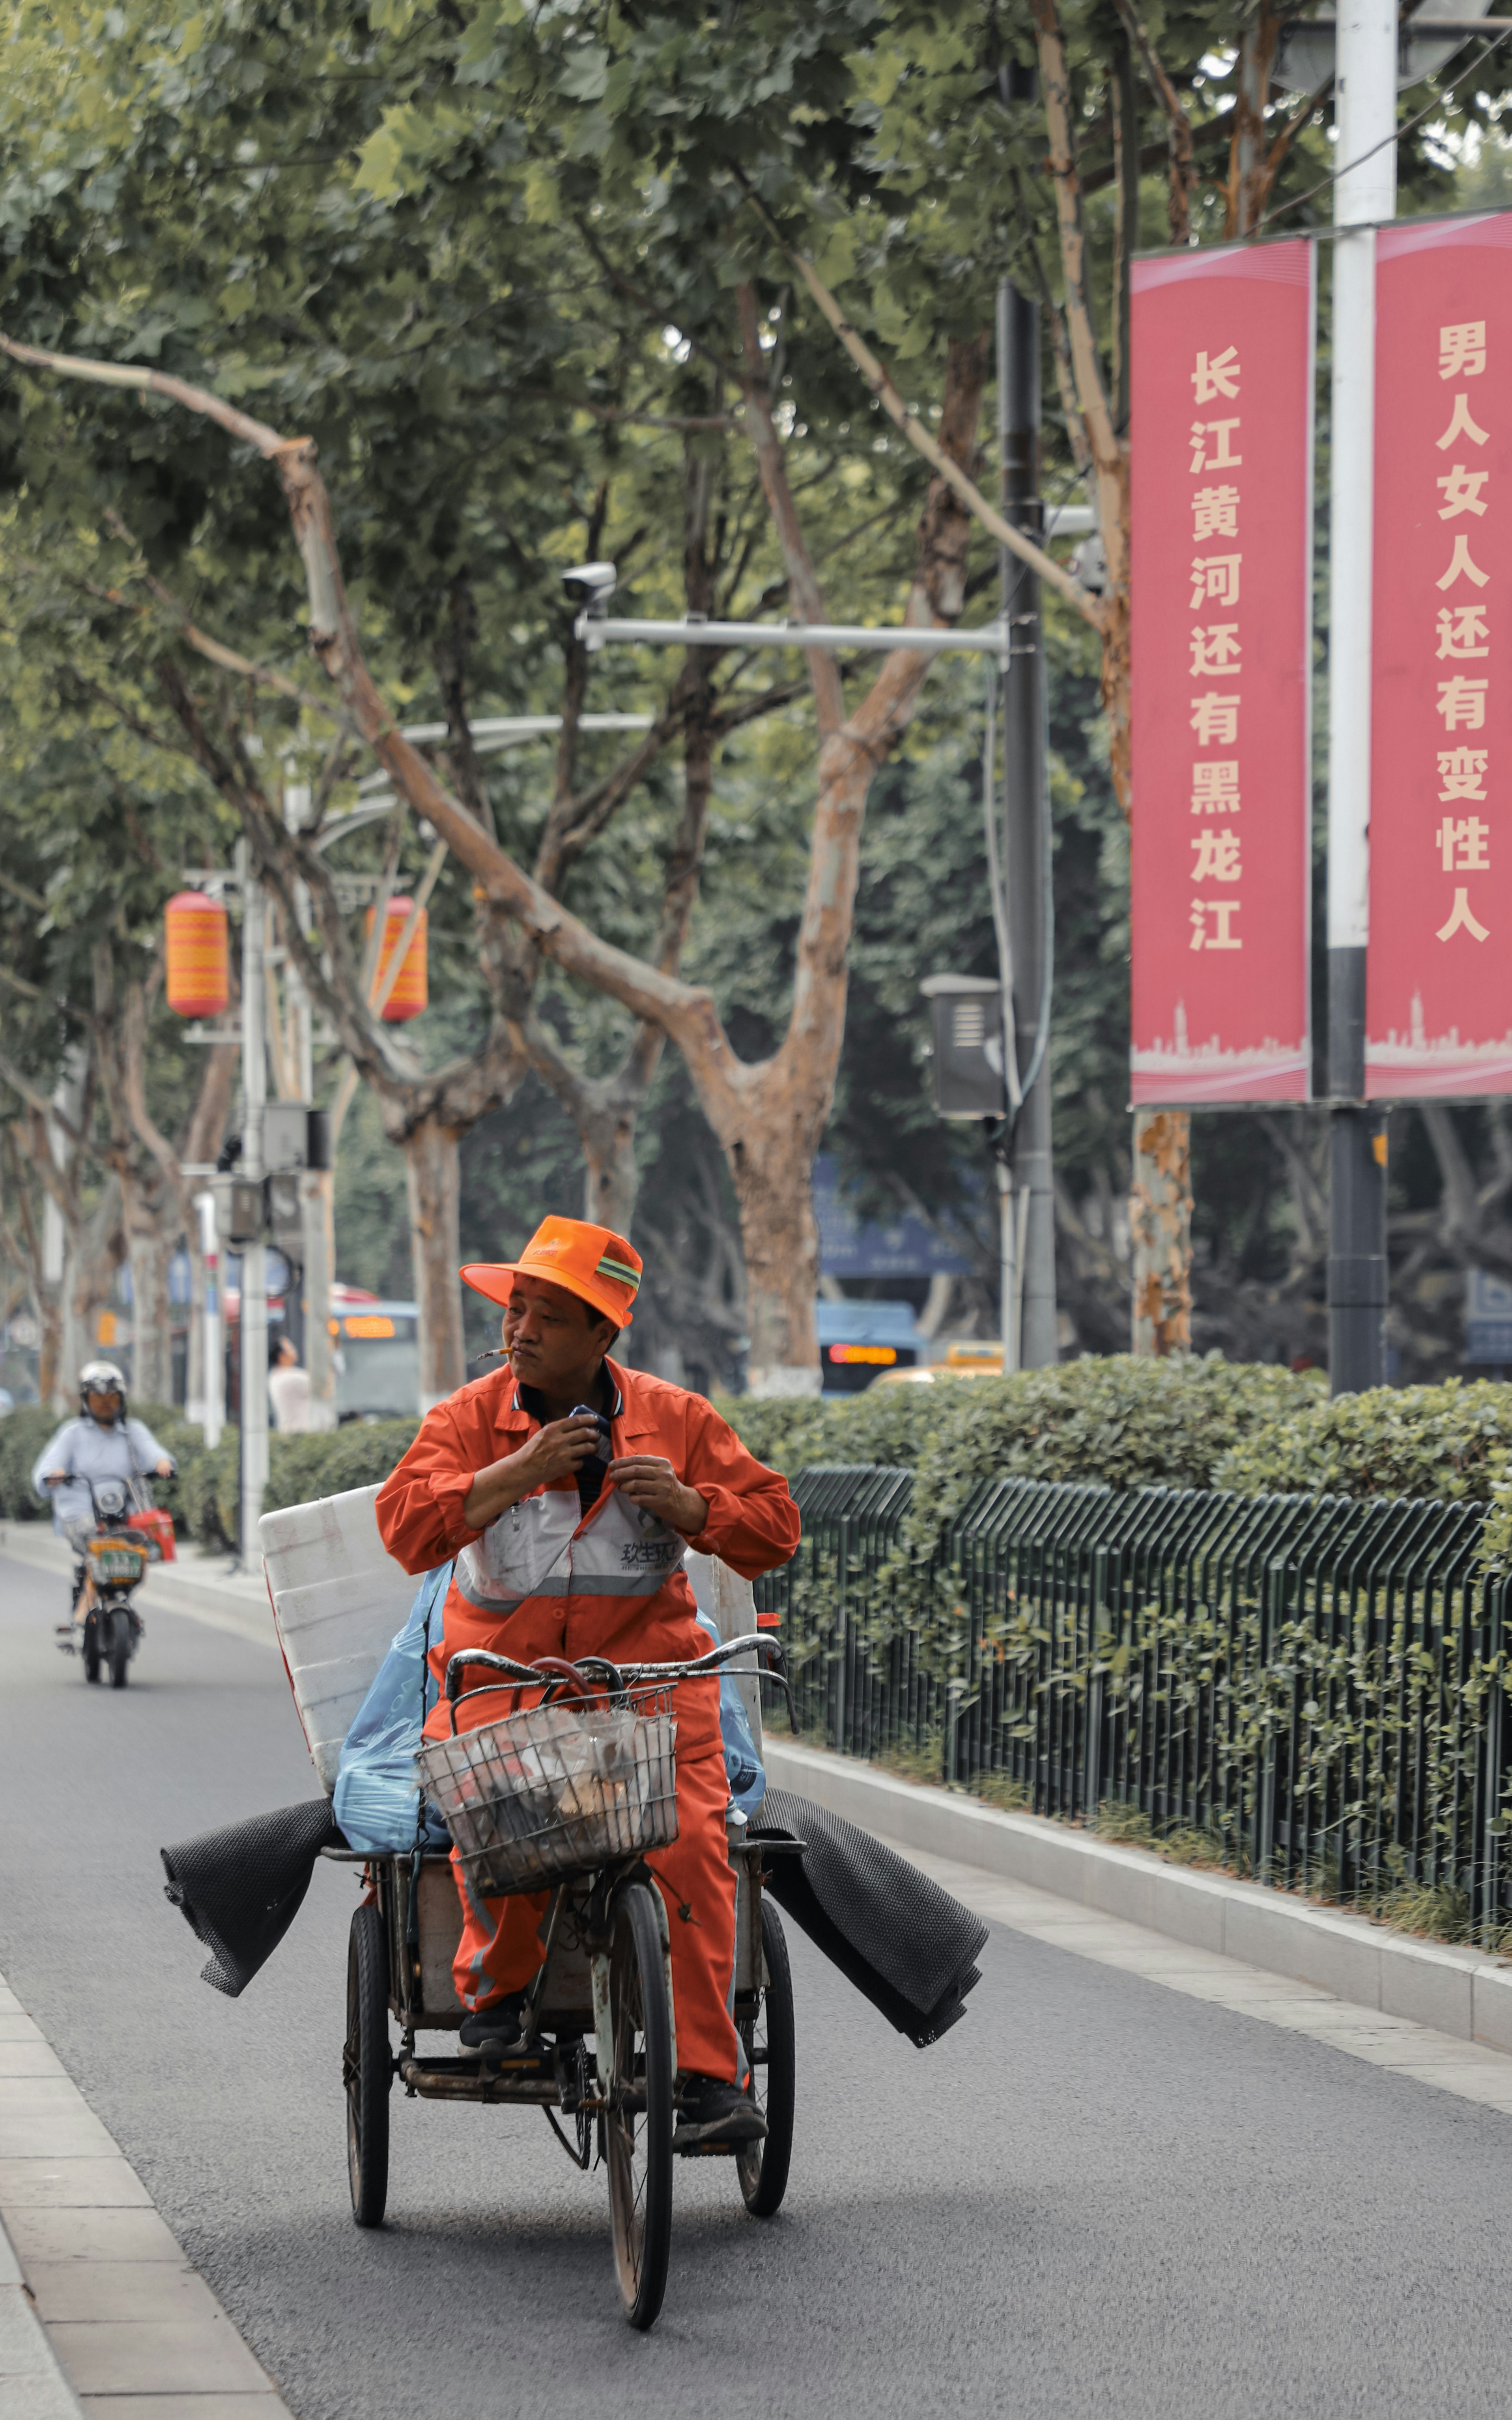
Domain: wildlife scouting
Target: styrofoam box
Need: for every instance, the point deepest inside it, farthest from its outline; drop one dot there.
(338, 1599)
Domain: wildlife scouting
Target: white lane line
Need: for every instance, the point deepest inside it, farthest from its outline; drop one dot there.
(122, 2310)
(1442, 2061)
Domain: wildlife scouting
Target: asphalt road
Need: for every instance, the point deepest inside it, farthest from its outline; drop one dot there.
(1095, 2197)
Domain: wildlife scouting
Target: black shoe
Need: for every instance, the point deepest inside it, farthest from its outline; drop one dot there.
(496, 2029)
(712, 2111)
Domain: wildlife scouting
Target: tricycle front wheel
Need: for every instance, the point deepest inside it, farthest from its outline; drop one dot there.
(771, 2047)
(368, 2067)
(638, 2127)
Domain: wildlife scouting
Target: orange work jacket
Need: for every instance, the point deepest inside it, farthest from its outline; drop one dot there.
(546, 1579)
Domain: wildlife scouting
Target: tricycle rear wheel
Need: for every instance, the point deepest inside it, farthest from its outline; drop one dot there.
(771, 2045)
(638, 2129)
(368, 2067)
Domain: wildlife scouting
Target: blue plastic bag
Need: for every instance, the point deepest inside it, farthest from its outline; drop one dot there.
(376, 1797)
(744, 1770)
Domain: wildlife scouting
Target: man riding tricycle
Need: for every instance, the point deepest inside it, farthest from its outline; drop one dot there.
(573, 1890)
(565, 1490)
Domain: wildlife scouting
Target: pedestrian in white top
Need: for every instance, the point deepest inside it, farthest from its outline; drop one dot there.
(289, 1388)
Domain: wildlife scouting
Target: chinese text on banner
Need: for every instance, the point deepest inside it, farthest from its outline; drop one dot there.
(1221, 436)
(1439, 970)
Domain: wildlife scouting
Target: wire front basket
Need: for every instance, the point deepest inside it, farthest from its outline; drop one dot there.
(557, 1790)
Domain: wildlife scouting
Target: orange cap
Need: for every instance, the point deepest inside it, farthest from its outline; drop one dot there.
(590, 1262)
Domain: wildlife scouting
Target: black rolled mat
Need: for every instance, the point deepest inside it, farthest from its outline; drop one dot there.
(903, 1942)
(240, 1888)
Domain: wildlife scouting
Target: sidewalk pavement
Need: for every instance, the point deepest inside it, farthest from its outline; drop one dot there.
(99, 2311)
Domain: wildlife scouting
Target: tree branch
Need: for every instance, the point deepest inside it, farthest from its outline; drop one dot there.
(684, 1011)
(823, 672)
(27, 1091)
(198, 399)
(750, 709)
(1110, 460)
(583, 818)
(133, 1069)
(1183, 174)
(679, 422)
(877, 378)
(226, 658)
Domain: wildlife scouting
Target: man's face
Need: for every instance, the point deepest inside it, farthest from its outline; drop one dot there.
(104, 1409)
(553, 1336)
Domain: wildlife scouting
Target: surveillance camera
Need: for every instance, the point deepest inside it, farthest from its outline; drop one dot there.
(590, 584)
(1090, 564)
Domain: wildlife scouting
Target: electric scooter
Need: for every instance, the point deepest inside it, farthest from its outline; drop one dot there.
(106, 1628)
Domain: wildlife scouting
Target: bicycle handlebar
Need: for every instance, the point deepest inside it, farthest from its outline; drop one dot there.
(595, 1676)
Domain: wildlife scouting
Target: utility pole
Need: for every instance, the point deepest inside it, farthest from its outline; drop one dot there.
(1027, 833)
(312, 1282)
(1365, 89)
(213, 1406)
(254, 1256)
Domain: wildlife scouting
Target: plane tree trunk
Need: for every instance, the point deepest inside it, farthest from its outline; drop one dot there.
(431, 1174)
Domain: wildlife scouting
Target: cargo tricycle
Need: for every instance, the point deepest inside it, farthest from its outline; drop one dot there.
(571, 1793)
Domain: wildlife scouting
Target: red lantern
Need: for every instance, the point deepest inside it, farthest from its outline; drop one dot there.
(410, 993)
(198, 956)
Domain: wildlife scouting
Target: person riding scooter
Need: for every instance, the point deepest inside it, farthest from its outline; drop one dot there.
(568, 1488)
(101, 1443)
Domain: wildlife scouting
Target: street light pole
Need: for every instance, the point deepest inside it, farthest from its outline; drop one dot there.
(214, 1331)
(254, 1408)
(1363, 196)
(1026, 836)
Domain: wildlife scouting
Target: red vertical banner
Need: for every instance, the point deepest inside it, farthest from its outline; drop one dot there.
(1221, 445)
(1438, 967)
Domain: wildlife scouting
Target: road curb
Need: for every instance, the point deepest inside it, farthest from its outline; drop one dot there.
(1460, 1991)
(96, 2299)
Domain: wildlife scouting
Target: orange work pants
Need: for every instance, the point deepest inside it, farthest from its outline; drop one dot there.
(501, 1947)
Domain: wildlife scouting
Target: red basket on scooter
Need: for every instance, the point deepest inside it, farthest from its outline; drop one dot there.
(159, 1528)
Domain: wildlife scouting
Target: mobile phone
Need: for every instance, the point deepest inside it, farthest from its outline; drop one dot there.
(591, 1473)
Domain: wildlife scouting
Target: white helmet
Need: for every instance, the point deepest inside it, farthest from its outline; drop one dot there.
(102, 1378)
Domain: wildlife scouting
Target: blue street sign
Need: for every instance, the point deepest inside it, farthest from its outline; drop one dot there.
(851, 1246)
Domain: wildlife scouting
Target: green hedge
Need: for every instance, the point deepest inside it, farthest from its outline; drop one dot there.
(1452, 1441)
(1126, 1422)
(1250, 1426)
(1447, 1440)
(359, 1455)
(203, 1494)
(299, 1469)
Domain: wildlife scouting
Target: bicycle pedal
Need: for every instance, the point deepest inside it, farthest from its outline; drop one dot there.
(684, 2149)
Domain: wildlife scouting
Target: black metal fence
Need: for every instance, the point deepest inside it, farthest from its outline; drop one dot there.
(1313, 1683)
